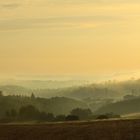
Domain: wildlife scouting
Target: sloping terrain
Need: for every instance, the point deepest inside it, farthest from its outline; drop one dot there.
(131, 116)
(122, 107)
(56, 105)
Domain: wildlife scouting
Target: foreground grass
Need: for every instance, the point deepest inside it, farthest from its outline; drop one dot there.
(97, 130)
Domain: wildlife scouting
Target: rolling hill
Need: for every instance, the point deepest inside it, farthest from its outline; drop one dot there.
(55, 105)
(121, 107)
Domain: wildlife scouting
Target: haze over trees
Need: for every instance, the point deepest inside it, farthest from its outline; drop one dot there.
(122, 107)
(108, 100)
(116, 90)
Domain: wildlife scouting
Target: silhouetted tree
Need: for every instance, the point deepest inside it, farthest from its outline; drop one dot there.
(43, 116)
(7, 114)
(60, 118)
(82, 113)
(13, 113)
(28, 113)
(50, 117)
(104, 116)
(1, 93)
(32, 96)
(72, 118)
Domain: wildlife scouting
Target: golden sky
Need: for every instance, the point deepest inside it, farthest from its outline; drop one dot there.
(69, 36)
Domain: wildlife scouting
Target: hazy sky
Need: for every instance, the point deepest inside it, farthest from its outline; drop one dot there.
(69, 36)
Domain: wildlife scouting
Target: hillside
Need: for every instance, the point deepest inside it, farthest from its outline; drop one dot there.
(97, 97)
(15, 90)
(45, 84)
(122, 107)
(56, 105)
(48, 89)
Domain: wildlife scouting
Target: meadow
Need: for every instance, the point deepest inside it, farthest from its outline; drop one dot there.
(92, 130)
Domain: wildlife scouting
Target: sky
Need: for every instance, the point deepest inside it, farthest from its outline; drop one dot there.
(60, 37)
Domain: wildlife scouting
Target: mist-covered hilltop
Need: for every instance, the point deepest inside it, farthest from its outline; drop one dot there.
(94, 96)
(113, 90)
(44, 84)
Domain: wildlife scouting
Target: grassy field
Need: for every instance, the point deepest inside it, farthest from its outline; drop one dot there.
(97, 130)
(131, 116)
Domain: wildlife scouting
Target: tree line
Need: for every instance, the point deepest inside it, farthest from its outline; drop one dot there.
(31, 113)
